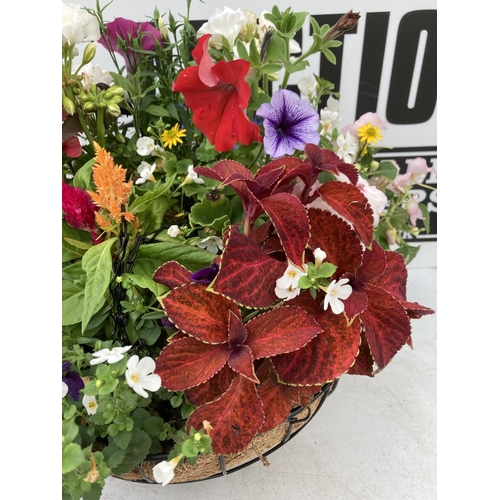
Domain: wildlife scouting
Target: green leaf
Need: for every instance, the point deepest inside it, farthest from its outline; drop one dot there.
(123, 82)
(153, 426)
(276, 50)
(189, 449)
(78, 244)
(304, 282)
(135, 453)
(155, 110)
(72, 303)
(206, 212)
(82, 177)
(425, 215)
(150, 335)
(73, 242)
(266, 69)
(122, 439)
(242, 50)
(148, 283)
(325, 270)
(386, 168)
(330, 56)
(113, 455)
(254, 53)
(97, 264)
(72, 458)
(142, 202)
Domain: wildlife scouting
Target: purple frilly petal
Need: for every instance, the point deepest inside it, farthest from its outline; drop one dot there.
(289, 123)
(167, 324)
(72, 380)
(205, 275)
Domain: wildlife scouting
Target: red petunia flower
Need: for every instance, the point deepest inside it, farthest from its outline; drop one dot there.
(218, 95)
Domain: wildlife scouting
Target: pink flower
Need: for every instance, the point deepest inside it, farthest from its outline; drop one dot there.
(78, 209)
(376, 198)
(121, 33)
(372, 118)
(418, 169)
(414, 210)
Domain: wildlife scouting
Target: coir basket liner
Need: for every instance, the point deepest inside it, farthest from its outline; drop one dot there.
(211, 466)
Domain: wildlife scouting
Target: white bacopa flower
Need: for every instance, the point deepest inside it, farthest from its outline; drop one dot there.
(307, 86)
(145, 170)
(65, 389)
(347, 146)
(329, 116)
(90, 404)
(163, 472)
(287, 287)
(145, 146)
(226, 23)
(78, 25)
(110, 355)
(93, 74)
(335, 293)
(140, 376)
(192, 176)
(173, 231)
(319, 256)
(212, 244)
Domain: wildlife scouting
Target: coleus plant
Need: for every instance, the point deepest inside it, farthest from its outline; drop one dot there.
(243, 355)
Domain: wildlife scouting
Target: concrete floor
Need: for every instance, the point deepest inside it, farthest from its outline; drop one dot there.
(373, 439)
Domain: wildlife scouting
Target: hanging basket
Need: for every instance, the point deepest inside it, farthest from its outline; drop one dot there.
(211, 466)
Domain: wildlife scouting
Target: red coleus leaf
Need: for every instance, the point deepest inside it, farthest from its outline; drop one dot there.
(364, 360)
(276, 405)
(386, 324)
(172, 274)
(241, 361)
(356, 303)
(281, 330)
(289, 218)
(218, 95)
(188, 362)
(328, 356)
(337, 239)
(247, 274)
(351, 204)
(374, 264)
(235, 417)
(212, 388)
(324, 159)
(72, 147)
(199, 313)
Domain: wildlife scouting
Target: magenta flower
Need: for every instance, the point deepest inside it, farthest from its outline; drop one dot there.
(78, 209)
(119, 36)
(289, 123)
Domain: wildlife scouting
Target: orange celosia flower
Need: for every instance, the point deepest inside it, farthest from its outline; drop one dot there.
(112, 190)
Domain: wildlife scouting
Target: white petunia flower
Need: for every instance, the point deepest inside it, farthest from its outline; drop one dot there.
(90, 404)
(110, 355)
(145, 170)
(307, 86)
(347, 146)
(78, 25)
(140, 376)
(145, 146)
(163, 472)
(226, 23)
(212, 244)
(336, 291)
(93, 74)
(174, 231)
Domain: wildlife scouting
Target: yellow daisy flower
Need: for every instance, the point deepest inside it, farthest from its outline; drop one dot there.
(369, 133)
(173, 136)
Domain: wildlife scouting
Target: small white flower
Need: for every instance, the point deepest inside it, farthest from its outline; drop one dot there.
(145, 170)
(110, 355)
(307, 86)
(65, 389)
(174, 231)
(140, 375)
(163, 472)
(192, 176)
(347, 147)
(226, 23)
(287, 287)
(212, 244)
(90, 404)
(93, 74)
(319, 256)
(145, 146)
(337, 290)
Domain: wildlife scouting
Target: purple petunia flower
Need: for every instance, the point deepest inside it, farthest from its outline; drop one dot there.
(119, 35)
(289, 123)
(72, 380)
(206, 275)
